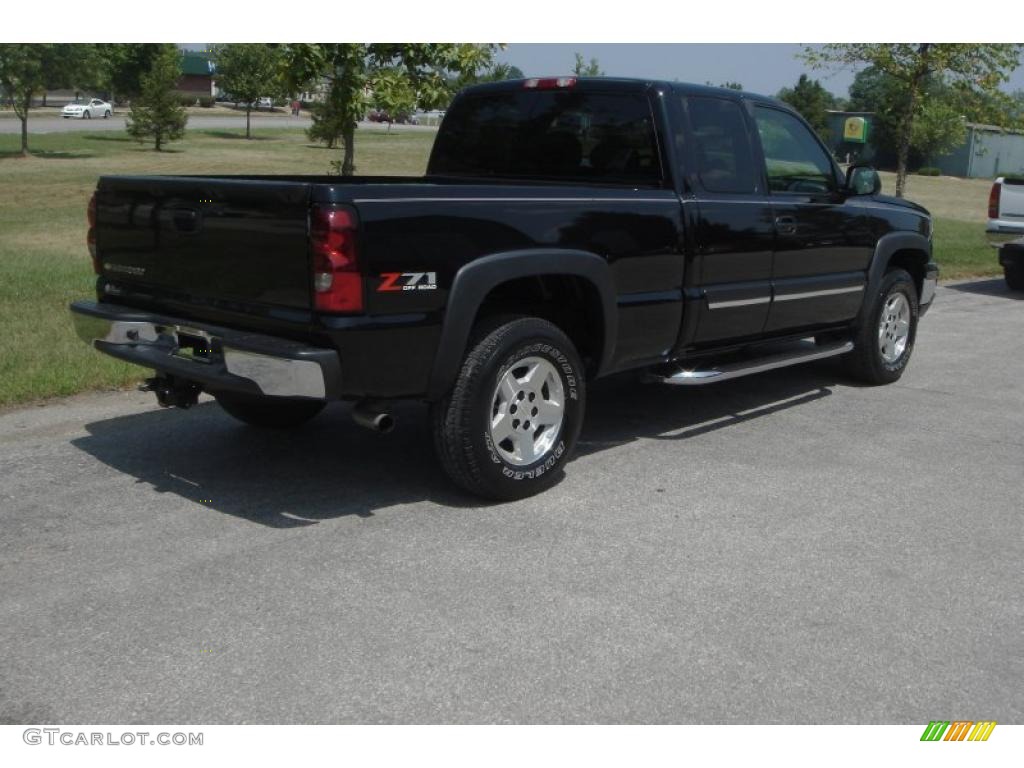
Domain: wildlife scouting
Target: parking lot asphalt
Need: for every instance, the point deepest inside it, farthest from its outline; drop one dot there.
(786, 548)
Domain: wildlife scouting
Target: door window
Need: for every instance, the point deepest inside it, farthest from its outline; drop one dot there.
(794, 160)
(724, 162)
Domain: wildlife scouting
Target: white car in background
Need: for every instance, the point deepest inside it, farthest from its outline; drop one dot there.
(86, 110)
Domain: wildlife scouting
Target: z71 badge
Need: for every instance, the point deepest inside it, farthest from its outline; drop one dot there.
(408, 281)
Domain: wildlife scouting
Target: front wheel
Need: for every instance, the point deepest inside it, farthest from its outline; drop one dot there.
(270, 412)
(510, 424)
(885, 338)
(1014, 277)
(106, 114)
(86, 115)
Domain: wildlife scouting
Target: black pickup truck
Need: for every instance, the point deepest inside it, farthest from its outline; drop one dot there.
(566, 229)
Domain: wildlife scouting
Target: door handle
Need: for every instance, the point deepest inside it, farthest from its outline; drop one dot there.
(785, 225)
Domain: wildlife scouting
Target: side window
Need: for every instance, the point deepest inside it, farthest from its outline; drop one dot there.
(794, 160)
(721, 145)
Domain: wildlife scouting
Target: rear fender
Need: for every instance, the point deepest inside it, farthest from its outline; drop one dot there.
(474, 281)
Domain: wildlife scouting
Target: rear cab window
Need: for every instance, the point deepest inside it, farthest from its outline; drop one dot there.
(557, 135)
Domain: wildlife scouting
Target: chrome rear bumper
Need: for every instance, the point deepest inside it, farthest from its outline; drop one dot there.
(220, 359)
(1000, 232)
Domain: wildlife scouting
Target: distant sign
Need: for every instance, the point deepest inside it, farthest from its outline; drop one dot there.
(855, 129)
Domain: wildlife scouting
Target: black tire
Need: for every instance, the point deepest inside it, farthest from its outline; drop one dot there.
(1014, 277)
(269, 412)
(106, 114)
(866, 361)
(87, 116)
(461, 421)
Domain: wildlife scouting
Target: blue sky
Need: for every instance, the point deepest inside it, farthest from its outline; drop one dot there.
(761, 68)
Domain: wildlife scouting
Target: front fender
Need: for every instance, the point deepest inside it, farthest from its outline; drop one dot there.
(888, 245)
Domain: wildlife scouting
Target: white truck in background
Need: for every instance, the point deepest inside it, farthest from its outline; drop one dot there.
(1005, 228)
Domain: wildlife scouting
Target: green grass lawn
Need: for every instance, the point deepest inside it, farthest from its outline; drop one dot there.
(960, 210)
(44, 263)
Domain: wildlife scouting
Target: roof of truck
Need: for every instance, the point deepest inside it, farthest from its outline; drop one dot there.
(626, 83)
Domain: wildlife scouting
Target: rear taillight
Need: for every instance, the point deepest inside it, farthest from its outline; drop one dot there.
(337, 284)
(90, 237)
(993, 201)
(547, 83)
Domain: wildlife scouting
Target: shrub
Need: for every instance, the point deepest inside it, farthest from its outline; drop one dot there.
(929, 171)
(206, 101)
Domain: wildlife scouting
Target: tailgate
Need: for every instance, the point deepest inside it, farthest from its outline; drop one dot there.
(1011, 200)
(207, 238)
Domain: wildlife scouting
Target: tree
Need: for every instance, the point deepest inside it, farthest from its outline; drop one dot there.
(332, 117)
(938, 127)
(732, 86)
(939, 120)
(393, 93)
(500, 72)
(812, 100)
(248, 71)
(157, 114)
(583, 69)
(969, 67)
(1015, 109)
(124, 64)
(29, 69)
(494, 74)
(349, 69)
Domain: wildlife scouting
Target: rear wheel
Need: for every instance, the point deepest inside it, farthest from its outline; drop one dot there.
(106, 114)
(1014, 277)
(510, 424)
(885, 339)
(270, 412)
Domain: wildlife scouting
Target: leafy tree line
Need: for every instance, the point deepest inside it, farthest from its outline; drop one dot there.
(921, 95)
(28, 70)
(812, 100)
(920, 91)
(397, 74)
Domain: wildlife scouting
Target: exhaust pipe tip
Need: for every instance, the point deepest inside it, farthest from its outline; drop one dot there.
(384, 423)
(373, 417)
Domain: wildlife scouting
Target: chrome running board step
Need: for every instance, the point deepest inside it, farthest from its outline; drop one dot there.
(803, 352)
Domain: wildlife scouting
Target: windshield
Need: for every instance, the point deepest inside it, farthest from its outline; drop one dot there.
(550, 135)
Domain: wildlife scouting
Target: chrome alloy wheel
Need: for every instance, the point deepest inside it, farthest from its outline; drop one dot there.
(894, 327)
(527, 410)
